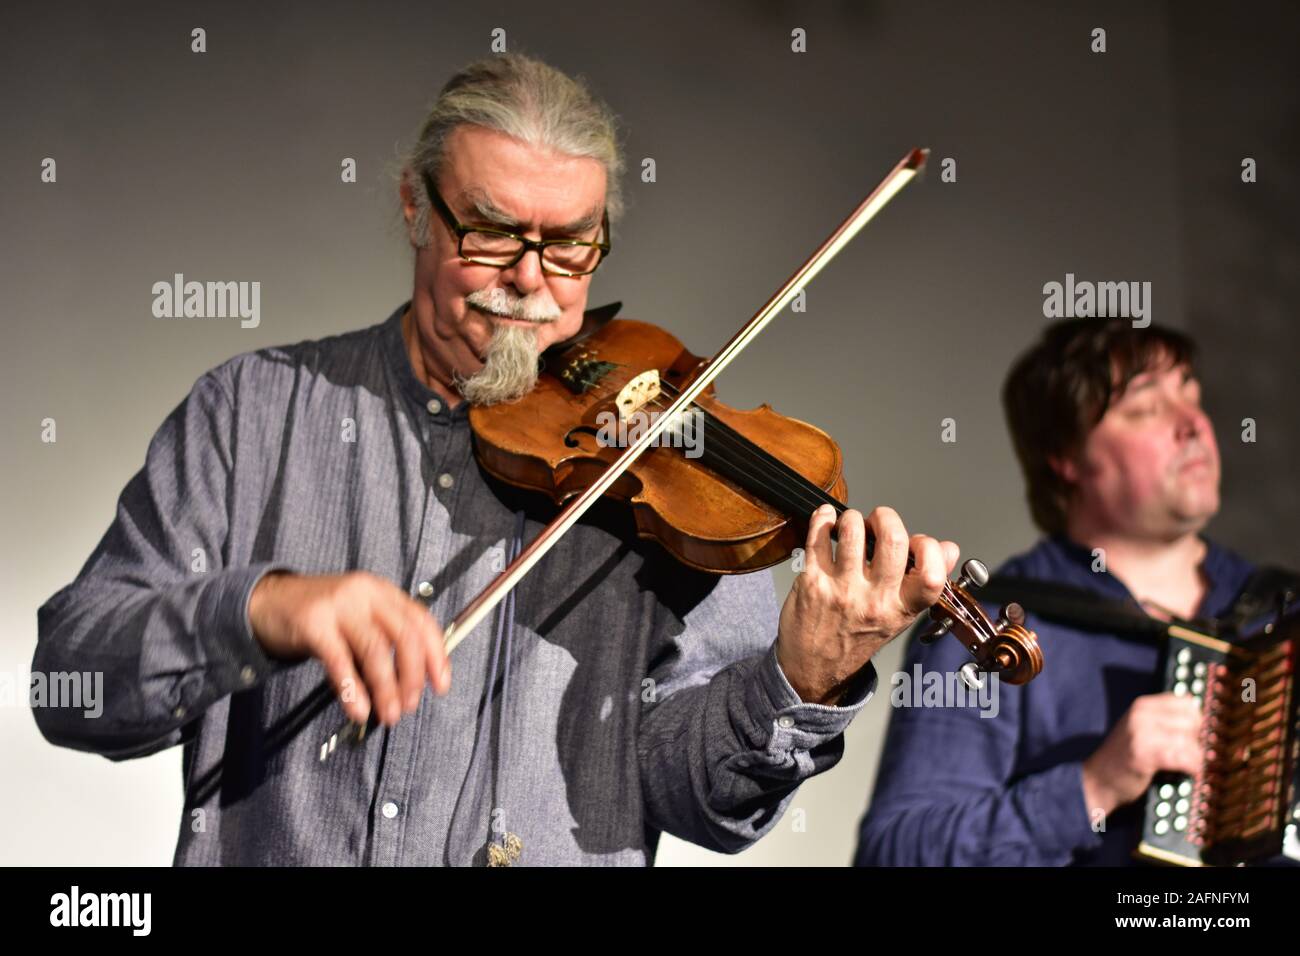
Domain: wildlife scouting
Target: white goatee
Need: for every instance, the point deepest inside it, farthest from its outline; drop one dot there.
(509, 369)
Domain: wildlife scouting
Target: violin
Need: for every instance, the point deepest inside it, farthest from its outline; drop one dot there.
(741, 504)
(731, 491)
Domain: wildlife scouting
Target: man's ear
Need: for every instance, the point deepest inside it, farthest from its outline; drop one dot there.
(1065, 468)
(407, 192)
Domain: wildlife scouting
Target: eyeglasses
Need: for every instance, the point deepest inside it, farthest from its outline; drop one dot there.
(496, 247)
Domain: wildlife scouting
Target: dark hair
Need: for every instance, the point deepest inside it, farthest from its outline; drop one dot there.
(1059, 389)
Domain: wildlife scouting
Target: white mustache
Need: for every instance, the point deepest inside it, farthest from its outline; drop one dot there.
(515, 310)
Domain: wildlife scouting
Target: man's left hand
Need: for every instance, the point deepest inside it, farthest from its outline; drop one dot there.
(842, 608)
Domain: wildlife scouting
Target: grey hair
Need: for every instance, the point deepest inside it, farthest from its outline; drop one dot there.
(525, 98)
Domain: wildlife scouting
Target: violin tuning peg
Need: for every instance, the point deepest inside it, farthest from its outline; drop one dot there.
(1011, 613)
(936, 632)
(974, 573)
(970, 675)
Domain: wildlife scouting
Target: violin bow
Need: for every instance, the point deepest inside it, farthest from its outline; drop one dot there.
(464, 622)
(481, 606)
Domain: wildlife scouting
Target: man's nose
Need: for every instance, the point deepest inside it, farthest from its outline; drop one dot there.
(1192, 421)
(526, 275)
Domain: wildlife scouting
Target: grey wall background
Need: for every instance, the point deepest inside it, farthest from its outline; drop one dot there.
(225, 166)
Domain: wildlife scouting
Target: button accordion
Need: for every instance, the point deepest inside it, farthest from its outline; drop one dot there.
(1243, 809)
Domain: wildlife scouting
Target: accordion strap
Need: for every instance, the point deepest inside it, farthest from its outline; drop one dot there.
(1074, 606)
(1066, 604)
(1269, 589)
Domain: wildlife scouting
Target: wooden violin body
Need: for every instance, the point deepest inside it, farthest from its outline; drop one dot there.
(698, 508)
(732, 491)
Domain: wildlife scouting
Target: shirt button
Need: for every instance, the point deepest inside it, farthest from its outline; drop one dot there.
(179, 711)
(390, 809)
(425, 589)
(434, 406)
(445, 480)
(787, 721)
(248, 675)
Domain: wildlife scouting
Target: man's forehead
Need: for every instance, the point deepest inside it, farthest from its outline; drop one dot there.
(492, 175)
(1157, 368)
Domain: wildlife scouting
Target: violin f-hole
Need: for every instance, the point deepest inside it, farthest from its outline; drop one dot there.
(572, 435)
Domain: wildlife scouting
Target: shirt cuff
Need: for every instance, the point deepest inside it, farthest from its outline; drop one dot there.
(795, 723)
(236, 655)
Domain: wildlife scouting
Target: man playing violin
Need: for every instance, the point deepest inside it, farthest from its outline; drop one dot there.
(331, 491)
(1122, 471)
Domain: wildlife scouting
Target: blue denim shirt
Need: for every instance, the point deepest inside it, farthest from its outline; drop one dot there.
(956, 788)
(615, 695)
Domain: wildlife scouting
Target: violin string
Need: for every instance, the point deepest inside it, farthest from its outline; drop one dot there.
(790, 480)
(796, 488)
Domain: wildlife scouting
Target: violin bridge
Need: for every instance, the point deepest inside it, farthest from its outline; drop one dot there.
(636, 394)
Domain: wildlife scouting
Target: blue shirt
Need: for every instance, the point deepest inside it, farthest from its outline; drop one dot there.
(956, 788)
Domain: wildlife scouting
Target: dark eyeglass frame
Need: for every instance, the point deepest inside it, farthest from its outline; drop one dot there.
(460, 230)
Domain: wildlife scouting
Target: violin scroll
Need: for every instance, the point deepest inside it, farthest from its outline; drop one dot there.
(1005, 647)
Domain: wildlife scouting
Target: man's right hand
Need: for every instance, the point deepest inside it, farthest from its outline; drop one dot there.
(1159, 732)
(354, 622)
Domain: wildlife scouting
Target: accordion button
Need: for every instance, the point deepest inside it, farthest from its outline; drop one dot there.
(1198, 686)
(1180, 689)
(1182, 806)
(1180, 823)
(1161, 827)
(1162, 808)
(1184, 788)
(1166, 791)
(1184, 656)
(1181, 672)
(1199, 669)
